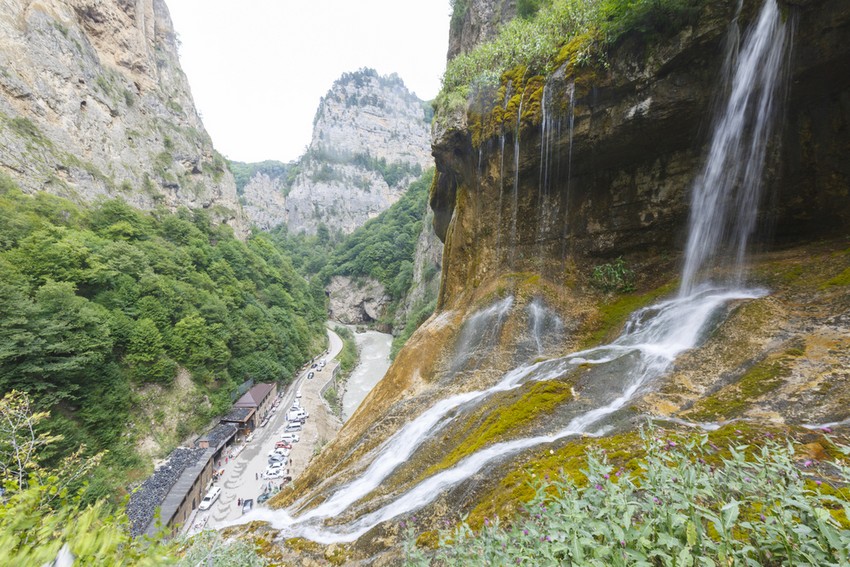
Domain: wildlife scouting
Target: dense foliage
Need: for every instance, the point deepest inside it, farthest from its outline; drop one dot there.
(44, 517)
(536, 39)
(758, 506)
(98, 302)
(383, 247)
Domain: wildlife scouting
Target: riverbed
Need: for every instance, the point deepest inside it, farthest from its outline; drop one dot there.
(374, 361)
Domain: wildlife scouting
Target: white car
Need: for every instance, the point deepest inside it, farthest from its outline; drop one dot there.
(274, 467)
(210, 498)
(292, 427)
(277, 473)
(290, 438)
(298, 393)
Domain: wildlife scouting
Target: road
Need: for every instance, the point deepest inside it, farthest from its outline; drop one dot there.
(242, 476)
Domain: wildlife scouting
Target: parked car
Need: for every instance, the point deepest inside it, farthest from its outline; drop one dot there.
(277, 473)
(283, 445)
(250, 437)
(289, 438)
(297, 415)
(292, 426)
(281, 451)
(247, 505)
(264, 497)
(297, 394)
(274, 467)
(210, 498)
(310, 375)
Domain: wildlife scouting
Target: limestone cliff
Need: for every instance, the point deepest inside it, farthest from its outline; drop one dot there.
(93, 103)
(477, 21)
(602, 162)
(546, 177)
(370, 140)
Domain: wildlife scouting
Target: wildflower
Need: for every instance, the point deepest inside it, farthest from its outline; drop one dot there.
(525, 532)
(746, 479)
(818, 482)
(622, 543)
(656, 500)
(598, 487)
(761, 516)
(403, 524)
(551, 451)
(606, 477)
(808, 463)
(826, 429)
(486, 521)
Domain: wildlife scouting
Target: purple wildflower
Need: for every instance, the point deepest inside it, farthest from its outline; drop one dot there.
(525, 532)
(598, 487)
(808, 463)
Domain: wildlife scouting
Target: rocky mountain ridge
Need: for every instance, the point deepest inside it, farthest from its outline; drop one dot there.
(370, 140)
(94, 104)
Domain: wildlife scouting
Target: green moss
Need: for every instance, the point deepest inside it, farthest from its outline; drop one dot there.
(734, 399)
(301, 545)
(539, 399)
(613, 314)
(842, 279)
(516, 488)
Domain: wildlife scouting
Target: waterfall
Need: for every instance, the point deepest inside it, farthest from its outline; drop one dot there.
(726, 195)
(649, 344)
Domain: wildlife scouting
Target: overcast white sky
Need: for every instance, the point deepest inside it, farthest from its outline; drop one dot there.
(257, 68)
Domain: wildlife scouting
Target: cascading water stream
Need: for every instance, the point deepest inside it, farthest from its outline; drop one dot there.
(651, 341)
(726, 195)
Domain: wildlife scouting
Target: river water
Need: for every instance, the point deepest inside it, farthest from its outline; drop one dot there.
(374, 362)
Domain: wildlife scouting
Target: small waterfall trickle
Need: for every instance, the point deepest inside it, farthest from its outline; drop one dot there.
(548, 141)
(501, 175)
(544, 325)
(726, 195)
(514, 244)
(570, 124)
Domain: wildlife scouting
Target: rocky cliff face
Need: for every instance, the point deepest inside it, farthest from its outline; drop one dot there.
(370, 140)
(264, 201)
(93, 103)
(477, 21)
(600, 165)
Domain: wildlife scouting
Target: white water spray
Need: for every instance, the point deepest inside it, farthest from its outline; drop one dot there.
(726, 195)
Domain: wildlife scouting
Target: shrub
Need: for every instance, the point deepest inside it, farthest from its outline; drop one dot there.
(615, 276)
(759, 506)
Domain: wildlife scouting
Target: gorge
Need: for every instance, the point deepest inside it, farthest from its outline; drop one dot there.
(630, 344)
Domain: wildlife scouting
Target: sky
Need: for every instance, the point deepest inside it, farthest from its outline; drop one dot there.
(257, 68)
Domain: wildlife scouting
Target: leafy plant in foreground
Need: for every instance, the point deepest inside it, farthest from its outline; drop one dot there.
(758, 506)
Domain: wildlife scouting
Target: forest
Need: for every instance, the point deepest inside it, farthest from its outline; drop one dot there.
(101, 302)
